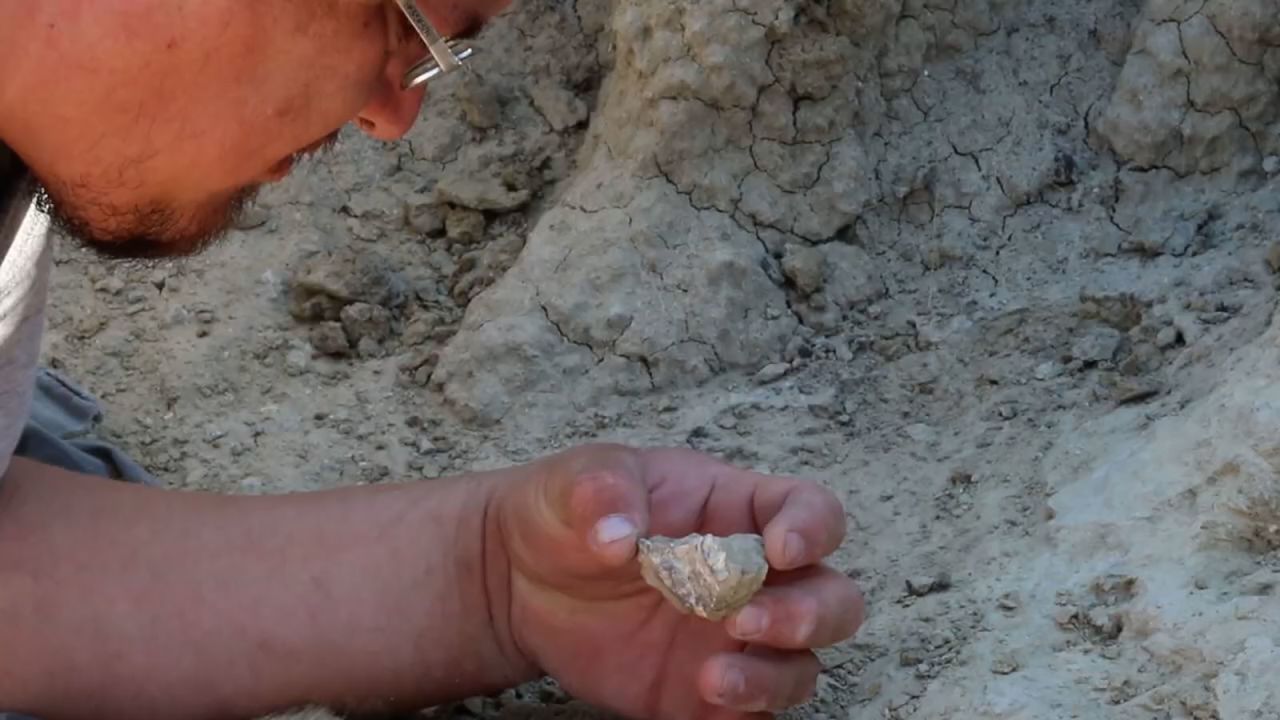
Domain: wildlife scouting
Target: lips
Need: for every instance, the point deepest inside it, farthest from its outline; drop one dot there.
(282, 167)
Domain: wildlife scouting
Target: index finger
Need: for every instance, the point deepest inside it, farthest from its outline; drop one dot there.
(803, 521)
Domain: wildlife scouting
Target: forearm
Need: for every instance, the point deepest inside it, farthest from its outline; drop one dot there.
(121, 601)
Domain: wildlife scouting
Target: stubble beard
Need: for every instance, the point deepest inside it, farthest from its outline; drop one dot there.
(143, 232)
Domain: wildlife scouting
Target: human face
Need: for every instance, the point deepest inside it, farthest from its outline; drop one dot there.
(150, 122)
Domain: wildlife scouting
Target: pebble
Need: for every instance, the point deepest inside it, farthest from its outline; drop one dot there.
(480, 104)
(772, 372)
(110, 285)
(561, 107)
(1167, 337)
(805, 267)
(425, 217)
(927, 584)
(921, 433)
(910, 657)
(250, 217)
(295, 362)
(366, 321)
(464, 225)
(1047, 370)
(369, 348)
(1098, 345)
(1004, 665)
(330, 339)
(1008, 601)
(1273, 257)
(1271, 164)
(1063, 617)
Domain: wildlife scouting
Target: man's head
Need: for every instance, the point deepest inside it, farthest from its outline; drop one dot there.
(150, 122)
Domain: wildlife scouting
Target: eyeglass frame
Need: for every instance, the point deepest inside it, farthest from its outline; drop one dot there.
(446, 54)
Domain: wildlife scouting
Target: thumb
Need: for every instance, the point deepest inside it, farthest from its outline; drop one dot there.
(596, 499)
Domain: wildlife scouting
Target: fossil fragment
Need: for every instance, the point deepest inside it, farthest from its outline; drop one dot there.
(706, 575)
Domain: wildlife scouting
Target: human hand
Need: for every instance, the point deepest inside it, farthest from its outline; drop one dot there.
(581, 613)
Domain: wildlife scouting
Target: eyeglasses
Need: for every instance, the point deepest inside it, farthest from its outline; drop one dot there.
(446, 55)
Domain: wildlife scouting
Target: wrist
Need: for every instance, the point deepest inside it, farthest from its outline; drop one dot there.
(495, 582)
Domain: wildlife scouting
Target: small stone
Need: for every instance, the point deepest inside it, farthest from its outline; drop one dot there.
(927, 584)
(1007, 602)
(561, 107)
(480, 103)
(772, 372)
(920, 433)
(367, 347)
(1064, 168)
(135, 297)
(1271, 164)
(464, 226)
(110, 285)
(1106, 623)
(250, 217)
(1127, 392)
(206, 316)
(1004, 665)
(1007, 412)
(330, 339)
(316, 307)
(362, 320)
(910, 657)
(1047, 370)
(706, 575)
(1201, 583)
(1167, 337)
(797, 348)
(805, 267)
(425, 217)
(1065, 617)
(1100, 344)
(481, 193)
(295, 362)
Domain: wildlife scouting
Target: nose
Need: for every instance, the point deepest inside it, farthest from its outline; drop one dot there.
(391, 112)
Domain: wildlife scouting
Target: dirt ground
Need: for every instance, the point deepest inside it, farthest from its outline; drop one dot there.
(1002, 274)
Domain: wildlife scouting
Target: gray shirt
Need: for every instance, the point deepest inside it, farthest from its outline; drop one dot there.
(24, 284)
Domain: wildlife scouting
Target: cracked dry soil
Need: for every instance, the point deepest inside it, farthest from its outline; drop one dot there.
(1001, 274)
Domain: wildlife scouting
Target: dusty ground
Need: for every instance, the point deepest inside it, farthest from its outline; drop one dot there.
(999, 273)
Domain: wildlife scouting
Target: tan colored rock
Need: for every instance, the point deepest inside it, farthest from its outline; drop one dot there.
(706, 575)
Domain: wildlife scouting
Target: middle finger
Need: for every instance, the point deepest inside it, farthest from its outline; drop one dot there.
(811, 608)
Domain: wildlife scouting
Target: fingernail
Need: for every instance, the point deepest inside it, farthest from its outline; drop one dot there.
(733, 685)
(793, 549)
(751, 622)
(613, 528)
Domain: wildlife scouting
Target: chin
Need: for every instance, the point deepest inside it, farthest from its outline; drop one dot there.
(146, 231)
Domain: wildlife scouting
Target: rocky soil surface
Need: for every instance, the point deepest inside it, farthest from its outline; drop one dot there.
(1002, 274)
